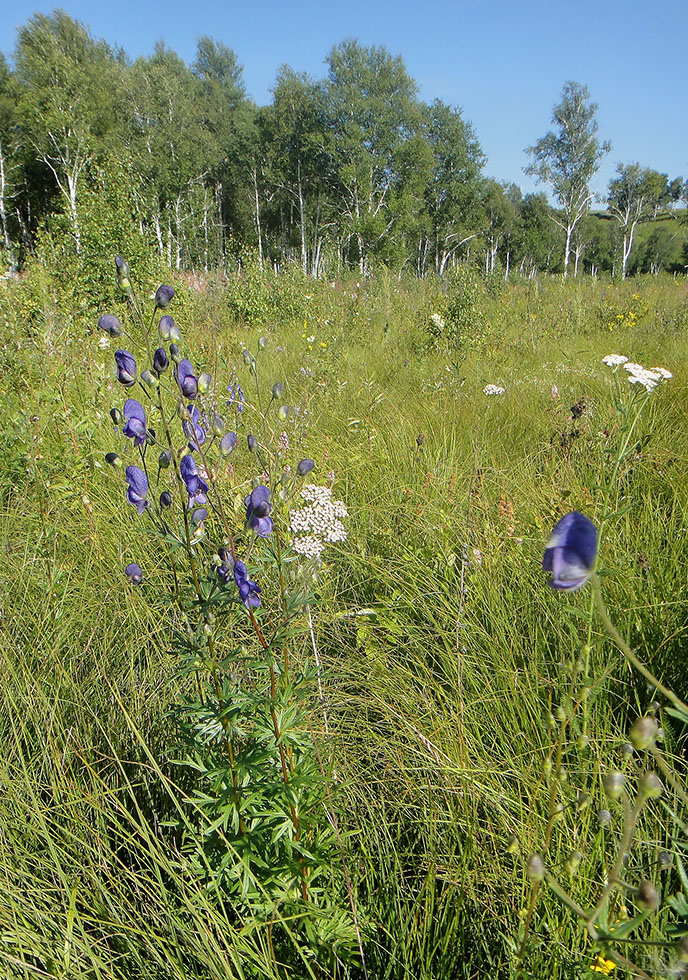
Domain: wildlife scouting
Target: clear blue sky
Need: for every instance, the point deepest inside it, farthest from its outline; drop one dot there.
(504, 63)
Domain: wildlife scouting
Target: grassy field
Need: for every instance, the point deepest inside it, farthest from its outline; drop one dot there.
(459, 707)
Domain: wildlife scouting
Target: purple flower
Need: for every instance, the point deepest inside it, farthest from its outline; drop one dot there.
(166, 499)
(258, 509)
(134, 421)
(134, 573)
(305, 466)
(193, 430)
(110, 324)
(199, 516)
(164, 326)
(249, 592)
(126, 368)
(186, 379)
(227, 443)
(138, 488)
(236, 396)
(163, 296)
(160, 360)
(195, 486)
(570, 552)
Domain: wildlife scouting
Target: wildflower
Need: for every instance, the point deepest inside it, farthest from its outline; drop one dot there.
(123, 271)
(218, 426)
(258, 510)
(647, 896)
(305, 466)
(186, 379)
(570, 552)
(137, 494)
(112, 459)
(110, 324)
(249, 592)
(165, 326)
(204, 382)
(126, 368)
(196, 487)
(227, 443)
(161, 361)
(494, 390)
(164, 459)
(283, 442)
(662, 372)
(614, 360)
(437, 321)
(236, 396)
(134, 421)
(277, 390)
(165, 499)
(252, 443)
(134, 573)
(163, 296)
(104, 343)
(174, 353)
(555, 391)
(149, 379)
(602, 965)
(193, 430)
(318, 523)
(199, 516)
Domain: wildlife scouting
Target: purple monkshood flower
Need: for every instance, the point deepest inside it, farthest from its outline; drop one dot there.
(110, 324)
(160, 360)
(199, 516)
(186, 379)
(258, 509)
(193, 430)
(163, 296)
(138, 488)
(227, 443)
(305, 466)
(570, 552)
(249, 592)
(134, 573)
(195, 486)
(134, 421)
(126, 368)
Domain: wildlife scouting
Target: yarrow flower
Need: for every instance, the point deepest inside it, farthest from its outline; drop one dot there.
(318, 523)
(570, 552)
(649, 378)
(258, 510)
(137, 494)
(126, 368)
(438, 321)
(186, 379)
(134, 421)
(494, 390)
(196, 487)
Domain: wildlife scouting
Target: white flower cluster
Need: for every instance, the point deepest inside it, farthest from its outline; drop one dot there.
(318, 523)
(494, 390)
(649, 378)
(104, 342)
(438, 321)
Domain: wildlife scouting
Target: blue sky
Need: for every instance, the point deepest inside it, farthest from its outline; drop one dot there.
(504, 63)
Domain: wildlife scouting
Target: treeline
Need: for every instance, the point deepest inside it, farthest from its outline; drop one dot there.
(345, 171)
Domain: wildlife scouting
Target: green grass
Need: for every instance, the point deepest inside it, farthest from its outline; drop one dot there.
(443, 649)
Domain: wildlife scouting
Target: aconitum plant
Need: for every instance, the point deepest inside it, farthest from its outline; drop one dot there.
(236, 586)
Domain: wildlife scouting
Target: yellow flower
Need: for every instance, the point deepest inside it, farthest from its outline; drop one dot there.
(601, 965)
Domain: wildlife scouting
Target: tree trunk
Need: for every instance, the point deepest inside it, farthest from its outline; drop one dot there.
(258, 226)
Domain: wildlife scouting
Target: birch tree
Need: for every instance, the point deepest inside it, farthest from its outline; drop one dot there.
(568, 157)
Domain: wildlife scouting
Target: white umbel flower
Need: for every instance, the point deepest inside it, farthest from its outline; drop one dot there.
(317, 523)
(614, 360)
(494, 390)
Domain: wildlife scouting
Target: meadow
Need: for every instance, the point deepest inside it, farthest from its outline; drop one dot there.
(465, 714)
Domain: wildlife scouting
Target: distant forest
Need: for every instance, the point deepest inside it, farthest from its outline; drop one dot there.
(350, 170)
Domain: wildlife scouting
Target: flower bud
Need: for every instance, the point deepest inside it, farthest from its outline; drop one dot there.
(218, 426)
(134, 573)
(165, 499)
(150, 436)
(204, 382)
(123, 272)
(283, 412)
(582, 743)
(252, 444)
(650, 786)
(647, 896)
(175, 333)
(112, 459)
(163, 296)
(149, 378)
(164, 459)
(614, 783)
(511, 844)
(164, 327)
(665, 860)
(603, 817)
(161, 361)
(644, 732)
(560, 713)
(199, 516)
(110, 324)
(572, 862)
(535, 867)
(175, 354)
(277, 389)
(627, 750)
(227, 443)
(262, 342)
(116, 415)
(305, 466)
(247, 356)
